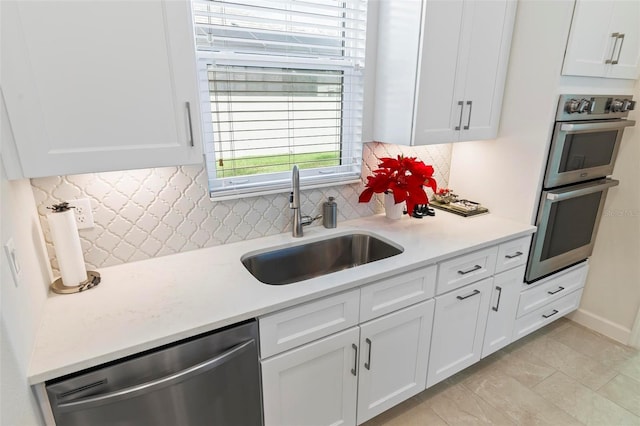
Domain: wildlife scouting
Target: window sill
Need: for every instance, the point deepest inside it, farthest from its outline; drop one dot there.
(279, 188)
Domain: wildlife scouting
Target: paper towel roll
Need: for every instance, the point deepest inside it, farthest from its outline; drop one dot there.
(66, 243)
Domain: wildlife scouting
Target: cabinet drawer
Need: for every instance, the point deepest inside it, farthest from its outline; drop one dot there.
(547, 314)
(512, 253)
(552, 289)
(301, 324)
(397, 292)
(466, 269)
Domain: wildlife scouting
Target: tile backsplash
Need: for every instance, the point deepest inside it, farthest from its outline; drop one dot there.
(147, 213)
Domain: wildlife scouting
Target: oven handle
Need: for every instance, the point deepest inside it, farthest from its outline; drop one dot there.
(598, 186)
(568, 127)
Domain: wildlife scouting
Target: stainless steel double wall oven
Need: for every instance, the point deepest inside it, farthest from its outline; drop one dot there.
(586, 138)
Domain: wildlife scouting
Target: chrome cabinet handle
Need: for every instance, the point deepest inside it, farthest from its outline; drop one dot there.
(460, 103)
(495, 308)
(560, 288)
(621, 37)
(188, 105)
(367, 364)
(152, 386)
(613, 51)
(468, 271)
(512, 256)
(355, 359)
(470, 103)
(555, 311)
(468, 295)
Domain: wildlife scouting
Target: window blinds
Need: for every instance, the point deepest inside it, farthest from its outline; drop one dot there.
(282, 85)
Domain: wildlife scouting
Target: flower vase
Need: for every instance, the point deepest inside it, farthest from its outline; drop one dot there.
(391, 209)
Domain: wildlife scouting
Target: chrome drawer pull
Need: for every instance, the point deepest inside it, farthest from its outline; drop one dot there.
(355, 359)
(555, 311)
(613, 51)
(621, 37)
(188, 105)
(367, 364)
(560, 288)
(461, 108)
(475, 268)
(498, 302)
(468, 295)
(516, 254)
(470, 103)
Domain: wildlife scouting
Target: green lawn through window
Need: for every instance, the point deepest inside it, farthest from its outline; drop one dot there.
(275, 163)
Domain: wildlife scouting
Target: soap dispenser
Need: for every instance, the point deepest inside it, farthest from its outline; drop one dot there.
(330, 213)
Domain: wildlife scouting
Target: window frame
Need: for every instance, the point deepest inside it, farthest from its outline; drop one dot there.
(268, 183)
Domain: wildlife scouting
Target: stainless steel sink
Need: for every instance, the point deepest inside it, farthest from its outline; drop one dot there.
(301, 262)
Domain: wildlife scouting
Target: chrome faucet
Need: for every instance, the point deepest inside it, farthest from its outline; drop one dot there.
(294, 204)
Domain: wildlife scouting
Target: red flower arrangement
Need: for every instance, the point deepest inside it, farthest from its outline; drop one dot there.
(405, 177)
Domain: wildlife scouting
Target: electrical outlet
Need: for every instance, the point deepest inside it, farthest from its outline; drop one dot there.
(82, 212)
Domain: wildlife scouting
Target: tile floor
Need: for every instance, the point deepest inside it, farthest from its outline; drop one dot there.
(563, 374)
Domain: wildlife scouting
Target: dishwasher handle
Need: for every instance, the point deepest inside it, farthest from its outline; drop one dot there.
(162, 382)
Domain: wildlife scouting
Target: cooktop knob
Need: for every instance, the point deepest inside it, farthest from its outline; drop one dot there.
(616, 105)
(584, 106)
(628, 105)
(571, 106)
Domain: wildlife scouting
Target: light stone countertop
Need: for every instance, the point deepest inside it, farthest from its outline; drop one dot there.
(145, 304)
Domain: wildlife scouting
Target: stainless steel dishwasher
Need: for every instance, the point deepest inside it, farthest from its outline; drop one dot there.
(213, 379)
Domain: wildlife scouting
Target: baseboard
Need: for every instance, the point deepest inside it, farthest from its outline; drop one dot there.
(601, 325)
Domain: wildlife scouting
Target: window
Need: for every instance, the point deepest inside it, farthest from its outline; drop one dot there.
(281, 84)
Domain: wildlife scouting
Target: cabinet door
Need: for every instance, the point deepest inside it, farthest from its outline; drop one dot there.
(482, 65)
(315, 384)
(397, 60)
(393, 358)
(437, 110)
(503, 310)
(626, 22)
(458, 330)
(100, 85)
(590, 42)
(596, 39)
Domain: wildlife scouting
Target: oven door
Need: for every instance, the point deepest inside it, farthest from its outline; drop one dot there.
(583, 150)
(567, 222)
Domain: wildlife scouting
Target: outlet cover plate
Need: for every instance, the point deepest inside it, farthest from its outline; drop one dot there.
(82, 212)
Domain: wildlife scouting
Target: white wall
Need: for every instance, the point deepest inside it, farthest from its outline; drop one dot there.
(505, 174)
(21, 303)
(611, 298)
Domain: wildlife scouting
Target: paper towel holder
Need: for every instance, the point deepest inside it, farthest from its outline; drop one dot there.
(93, 279)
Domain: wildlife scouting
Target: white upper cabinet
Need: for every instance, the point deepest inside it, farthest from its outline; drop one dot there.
(441, 69)
(604, 40)
(99, 85)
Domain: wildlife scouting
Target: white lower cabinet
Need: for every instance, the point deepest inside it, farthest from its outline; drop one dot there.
(502, 310)
(315, 384)
(458, 330)
(394, 351)
(345, 358)
(382, 362)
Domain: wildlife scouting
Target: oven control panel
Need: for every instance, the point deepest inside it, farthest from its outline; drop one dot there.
(594, 107)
